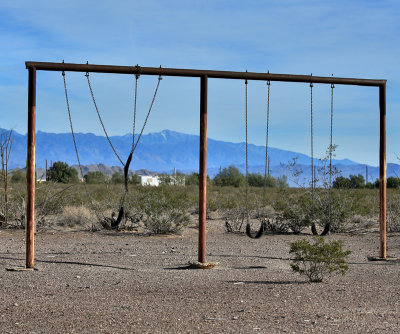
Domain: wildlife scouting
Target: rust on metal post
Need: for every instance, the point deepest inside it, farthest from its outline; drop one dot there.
(203, 169)
(382, 171)
(30, 174)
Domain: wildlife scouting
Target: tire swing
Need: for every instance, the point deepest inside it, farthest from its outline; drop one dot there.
(328, 224)
(260, 232)
(113, 222)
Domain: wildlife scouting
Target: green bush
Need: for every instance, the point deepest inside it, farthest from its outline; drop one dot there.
(353, 181)
(18, 176)
(230, 176)
(393, 182)
(94, 177)
(292, 212)
(61, 172)
(165, 209)
(319, 259)
(134, 179)
(117, 178)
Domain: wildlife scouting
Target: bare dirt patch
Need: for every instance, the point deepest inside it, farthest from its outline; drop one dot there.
(119, 282)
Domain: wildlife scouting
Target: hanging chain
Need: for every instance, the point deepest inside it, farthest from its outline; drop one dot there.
(312, 154)
(76, 147)
(137, 75)
(331, 139)
(330, 157)
(70, 123)
(247, 159)
(148, 113)
(101, 121)
(266, 148)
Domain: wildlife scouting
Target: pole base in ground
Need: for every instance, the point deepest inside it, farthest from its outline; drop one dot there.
(378, 258)
(21, 269)
(202, 265)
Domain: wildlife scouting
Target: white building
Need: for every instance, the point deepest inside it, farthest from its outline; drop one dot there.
(149, 180)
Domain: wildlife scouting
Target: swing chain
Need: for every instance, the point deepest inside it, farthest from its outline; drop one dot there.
(148, 113)
(312, 153)
(266, 146)
(247, 159)
(76, 147)
(330, 157)
(134, 111)
(101, 120)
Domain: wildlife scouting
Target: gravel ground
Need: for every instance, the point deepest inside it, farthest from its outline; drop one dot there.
(119, 282)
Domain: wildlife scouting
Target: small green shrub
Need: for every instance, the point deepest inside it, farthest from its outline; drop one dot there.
(292, 212)
(165, 209)
(319, 259)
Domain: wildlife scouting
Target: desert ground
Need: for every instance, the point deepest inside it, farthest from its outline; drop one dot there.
(123, 282)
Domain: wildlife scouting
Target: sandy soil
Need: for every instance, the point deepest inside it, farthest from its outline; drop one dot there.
(119, 282)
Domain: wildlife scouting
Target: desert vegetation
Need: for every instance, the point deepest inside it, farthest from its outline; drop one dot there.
(169, 208)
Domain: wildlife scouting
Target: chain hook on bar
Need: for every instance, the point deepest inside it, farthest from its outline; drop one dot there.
(87, 72)
(160, 77)
(138, 69)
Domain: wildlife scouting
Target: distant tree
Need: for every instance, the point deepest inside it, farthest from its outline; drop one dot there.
(134, 179)
(95, 177)
(357, 181)
(255, 180)
(61, 172)
(281, 182)
(230, 176)
(341, 182)
(117, 178)
(272, 182)
(393, 182)
(18, 176)
(192, 179)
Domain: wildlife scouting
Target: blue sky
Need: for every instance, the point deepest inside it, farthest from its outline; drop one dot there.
(346, 38)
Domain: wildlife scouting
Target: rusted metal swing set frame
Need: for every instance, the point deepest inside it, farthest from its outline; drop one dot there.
(203, 75)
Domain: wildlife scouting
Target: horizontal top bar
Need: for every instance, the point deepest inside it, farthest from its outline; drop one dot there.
(44, 66)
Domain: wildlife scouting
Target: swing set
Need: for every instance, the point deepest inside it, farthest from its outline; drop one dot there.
(203, 75)
(113, 222)
(314, 231)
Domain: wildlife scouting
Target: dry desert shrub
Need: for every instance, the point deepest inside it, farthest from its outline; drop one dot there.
(361, 224)
(73, 216)
(393, 214)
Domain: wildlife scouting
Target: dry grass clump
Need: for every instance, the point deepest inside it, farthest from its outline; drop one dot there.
(393, 214)
(73, 216)
(362, 224)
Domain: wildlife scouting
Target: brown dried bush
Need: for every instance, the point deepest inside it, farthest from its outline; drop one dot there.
(73, 216)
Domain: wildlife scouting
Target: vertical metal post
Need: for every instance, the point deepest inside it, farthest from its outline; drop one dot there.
(382, 170)
(30, 173)
(203, 169)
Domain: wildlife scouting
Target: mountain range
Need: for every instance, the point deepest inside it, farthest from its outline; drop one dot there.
(163, 151)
